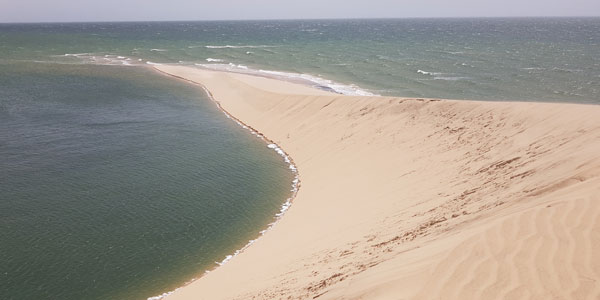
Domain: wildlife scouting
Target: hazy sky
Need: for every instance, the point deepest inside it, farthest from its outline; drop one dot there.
(135, 10)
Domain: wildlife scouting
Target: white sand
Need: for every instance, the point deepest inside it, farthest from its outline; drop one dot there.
(416, 198)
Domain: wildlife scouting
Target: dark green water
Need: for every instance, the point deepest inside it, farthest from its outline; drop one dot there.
(119, 183)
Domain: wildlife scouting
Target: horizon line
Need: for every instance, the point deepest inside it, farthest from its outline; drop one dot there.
(306, 19)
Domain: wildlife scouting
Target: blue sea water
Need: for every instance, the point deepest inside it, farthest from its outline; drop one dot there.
(536, 59)
(117, 182)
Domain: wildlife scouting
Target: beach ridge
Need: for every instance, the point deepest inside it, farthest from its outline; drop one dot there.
(296, 183)
(416, 198)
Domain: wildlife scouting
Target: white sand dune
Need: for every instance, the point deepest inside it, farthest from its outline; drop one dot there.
(417, 198)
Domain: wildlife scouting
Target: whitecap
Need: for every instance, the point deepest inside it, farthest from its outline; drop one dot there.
(238, 47)
(428, 73)
(214, 60)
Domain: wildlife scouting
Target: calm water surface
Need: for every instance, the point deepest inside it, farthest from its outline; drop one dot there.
(119, 183)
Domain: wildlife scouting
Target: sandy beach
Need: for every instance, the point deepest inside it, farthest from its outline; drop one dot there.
(417, 198)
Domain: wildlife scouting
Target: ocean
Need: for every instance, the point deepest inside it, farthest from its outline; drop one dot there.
(118, 182)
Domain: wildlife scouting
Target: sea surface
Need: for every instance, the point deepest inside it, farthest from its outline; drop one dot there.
(117, 182)
(536, 59)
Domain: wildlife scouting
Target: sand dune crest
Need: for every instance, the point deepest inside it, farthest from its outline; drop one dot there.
(418, 198)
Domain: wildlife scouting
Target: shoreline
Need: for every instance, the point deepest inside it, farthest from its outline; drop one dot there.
(296, 182)
(461, 162)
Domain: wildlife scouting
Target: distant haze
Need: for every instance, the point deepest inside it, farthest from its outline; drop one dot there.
(148, 10)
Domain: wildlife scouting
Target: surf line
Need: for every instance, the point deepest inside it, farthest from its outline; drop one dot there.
(296, 183)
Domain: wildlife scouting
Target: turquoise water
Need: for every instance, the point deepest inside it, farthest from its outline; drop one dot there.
(119, 183)
(541, 59)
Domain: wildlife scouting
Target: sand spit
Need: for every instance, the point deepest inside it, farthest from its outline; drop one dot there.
(417, 198)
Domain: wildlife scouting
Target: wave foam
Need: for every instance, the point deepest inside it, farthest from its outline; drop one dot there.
(238, 47)
(428, 73)
(340, 88)
(443, 76)
(101, 59)
(311, 80)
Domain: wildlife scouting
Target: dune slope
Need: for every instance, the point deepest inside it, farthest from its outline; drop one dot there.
(417, 198)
